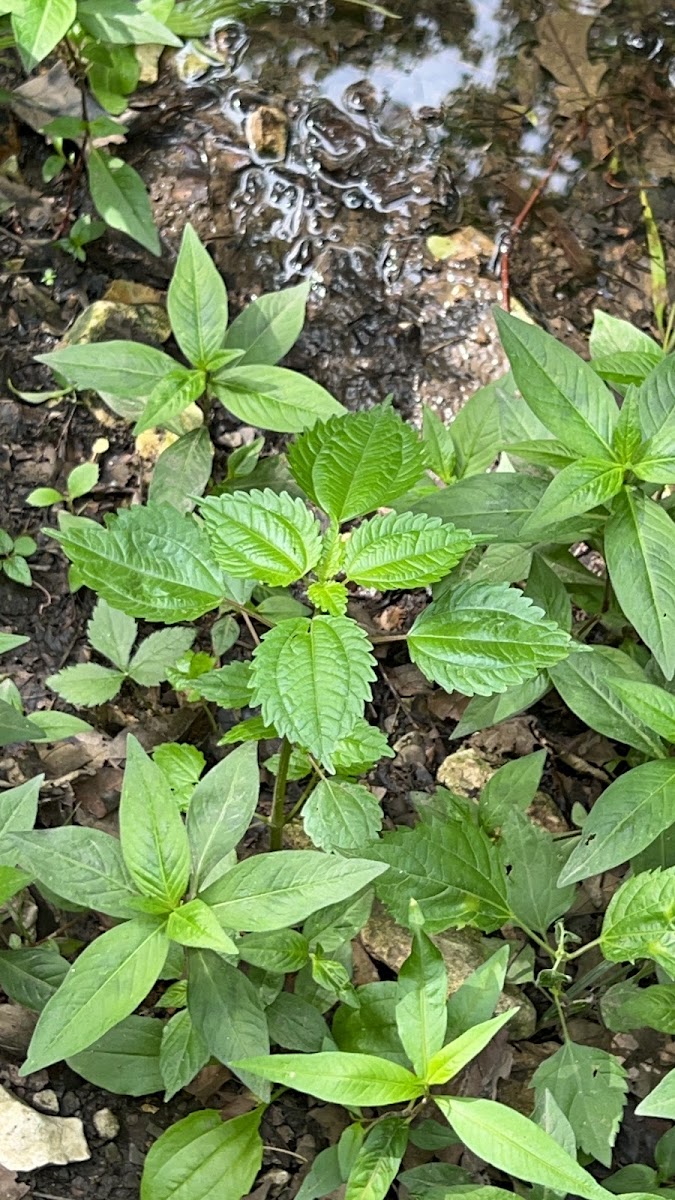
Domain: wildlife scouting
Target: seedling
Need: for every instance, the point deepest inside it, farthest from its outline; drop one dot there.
(13, 555)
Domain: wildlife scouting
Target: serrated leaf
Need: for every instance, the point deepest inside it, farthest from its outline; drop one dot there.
(639, 922)
(451, 1059)
(627, 1006)
(131, 367)
(361, 749)
(481, 639)
(561, 389)
(292, 678)
(363, 461)
(228, 686)
(38, 25)
(112, 633)
(587, 682)
(157, 653)
(154, 841)
(269, 326)
(226, 1009)
(640, 556)
(120, 198)
(330, 597)
(86, 684)
(590, 1086)
(197, 302)
(193, 924)
(193, 1157)
(583, 485)
(661, 1101)
(272, 891)
(378, 1160)
(253, 729)
(182, 471)
(421, 1002)
(453, 872)
(347, 1079)
(265, 536)
(274, 398)
(535, 859)
(82, 865)
(403, 550)
(104, 985)
(148, 562)
(341, 815)
(170, 397)
(182, 1055)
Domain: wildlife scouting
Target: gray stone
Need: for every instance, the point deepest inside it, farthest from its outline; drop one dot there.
(106, 1124)
(46, 1101)
(30, 1140)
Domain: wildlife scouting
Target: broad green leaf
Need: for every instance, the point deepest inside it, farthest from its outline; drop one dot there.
(403, 550)
(125, 1060)
(55, 725)
(629, 814)
(342, 815)
(14, 727)
(197, 302)
(324, 1176)
(561, 389)
(475, 431)
(182, 471)
(481, 639)
(441, 1181)
(271, 891)
(611, 335)
(17, 569)
(361, 749)
(12, 880)
(192, 1158)
(449, 1061)
(124, 23)
(227, 1011)
(627, 442)
(283, 951)
(483, 711)
(19, 807)
(589, 1085)
(476, 999)
(86, 684)
(652, 706)
(274, 398)
(625, 368)
(378, 1160)
(194, 924)
(506, 1139)
(535, 860)
(639, 922)
(453, 872)
(293, 674)
(269, 326)
(228, 686)
(38, 25)
(440, 447)
(347, 1079)
(262, 535)
(157, 653)
(30, 976)
(182, 1055)
(104, 985)
(82, 479)
(550, 1117)
(548, 591)
(148, 562)
(372, 1027)
(656, 404)
(335, 924)
(253, 729)
(294, 1024)
(81, 865)
(587, 682)
(182, 766)
(10, 641)
(512, 788)
(421, 1006)
(170, 397)
(221, 809)
(120, 198)
(363, 461)
(583, 485)
(640, 556)
(112, 633)
(502, 562)
(154, 841)
(130, 367)
(627, 1006)
(661, 1101)
(330, 597)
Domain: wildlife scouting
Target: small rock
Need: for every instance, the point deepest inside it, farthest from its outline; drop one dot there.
(105, 320)
(267, 132)
(46, 1101)
(465, 772)
(106, 1124)
(29, 1140)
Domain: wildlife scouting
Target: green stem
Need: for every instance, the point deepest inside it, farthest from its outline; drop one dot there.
(278, 816)
(561, 1016)
(583, 950)
(534, 937)
(299, 805)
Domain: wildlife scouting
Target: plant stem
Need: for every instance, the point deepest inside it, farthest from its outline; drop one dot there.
(299, 805)
(583, 950)
(561, 1016)
(534, 937)
(278, 818)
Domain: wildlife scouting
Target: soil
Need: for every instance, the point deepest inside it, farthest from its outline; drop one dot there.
(331, 143)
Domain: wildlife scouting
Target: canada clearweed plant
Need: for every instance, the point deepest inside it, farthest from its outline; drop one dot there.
(555, 571)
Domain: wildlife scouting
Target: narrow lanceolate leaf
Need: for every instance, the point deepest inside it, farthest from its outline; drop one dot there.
(535, 860)
(440, 447)
(581, 486)
(481, 639)
(182, 471)
(589, 1085)
(294, 670)
(194, 924)
(640, 556)
(30, 976)
(81, 865)
(193, 1157)
(342, 815)
(170, 397)
(274, 398)
(19, 806)
(12, 880)
(154, 841)
(112, 633)
(227, 1010)
(652, 706)
(86, 684)
(148, 562)
(629, 814)
(509, 1141)
(562, 390)
(269, 326)
(640, 920)
(125, 1060)
(484, 711)
(120, 197)
(38, 25)
(611, 335)
(449, 1061)
(129, 369)
(104, 985)
(421, 1006)
(660, 1102)
(357, 464)
(262, 535)
(197, 302)
(378, 1160)
(182, 1055)
(220, 812)
(656, 404)
(272, 891)
(404, 551)
(337, 1078)
(453, 871)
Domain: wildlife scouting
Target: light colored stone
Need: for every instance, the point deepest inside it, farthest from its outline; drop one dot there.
(106, 1124)
(106, 320)
(465, 773)
(30, 1140)
(46, 1101)
(267, 132)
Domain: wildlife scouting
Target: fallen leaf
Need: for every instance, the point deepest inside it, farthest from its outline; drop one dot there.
(563, 51)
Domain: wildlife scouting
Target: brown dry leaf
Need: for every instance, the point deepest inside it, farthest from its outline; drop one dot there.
(563, 51)
(9, 1188)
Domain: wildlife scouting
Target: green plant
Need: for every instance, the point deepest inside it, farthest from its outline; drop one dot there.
(13, 555)
(80, 481)
(82, 233)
